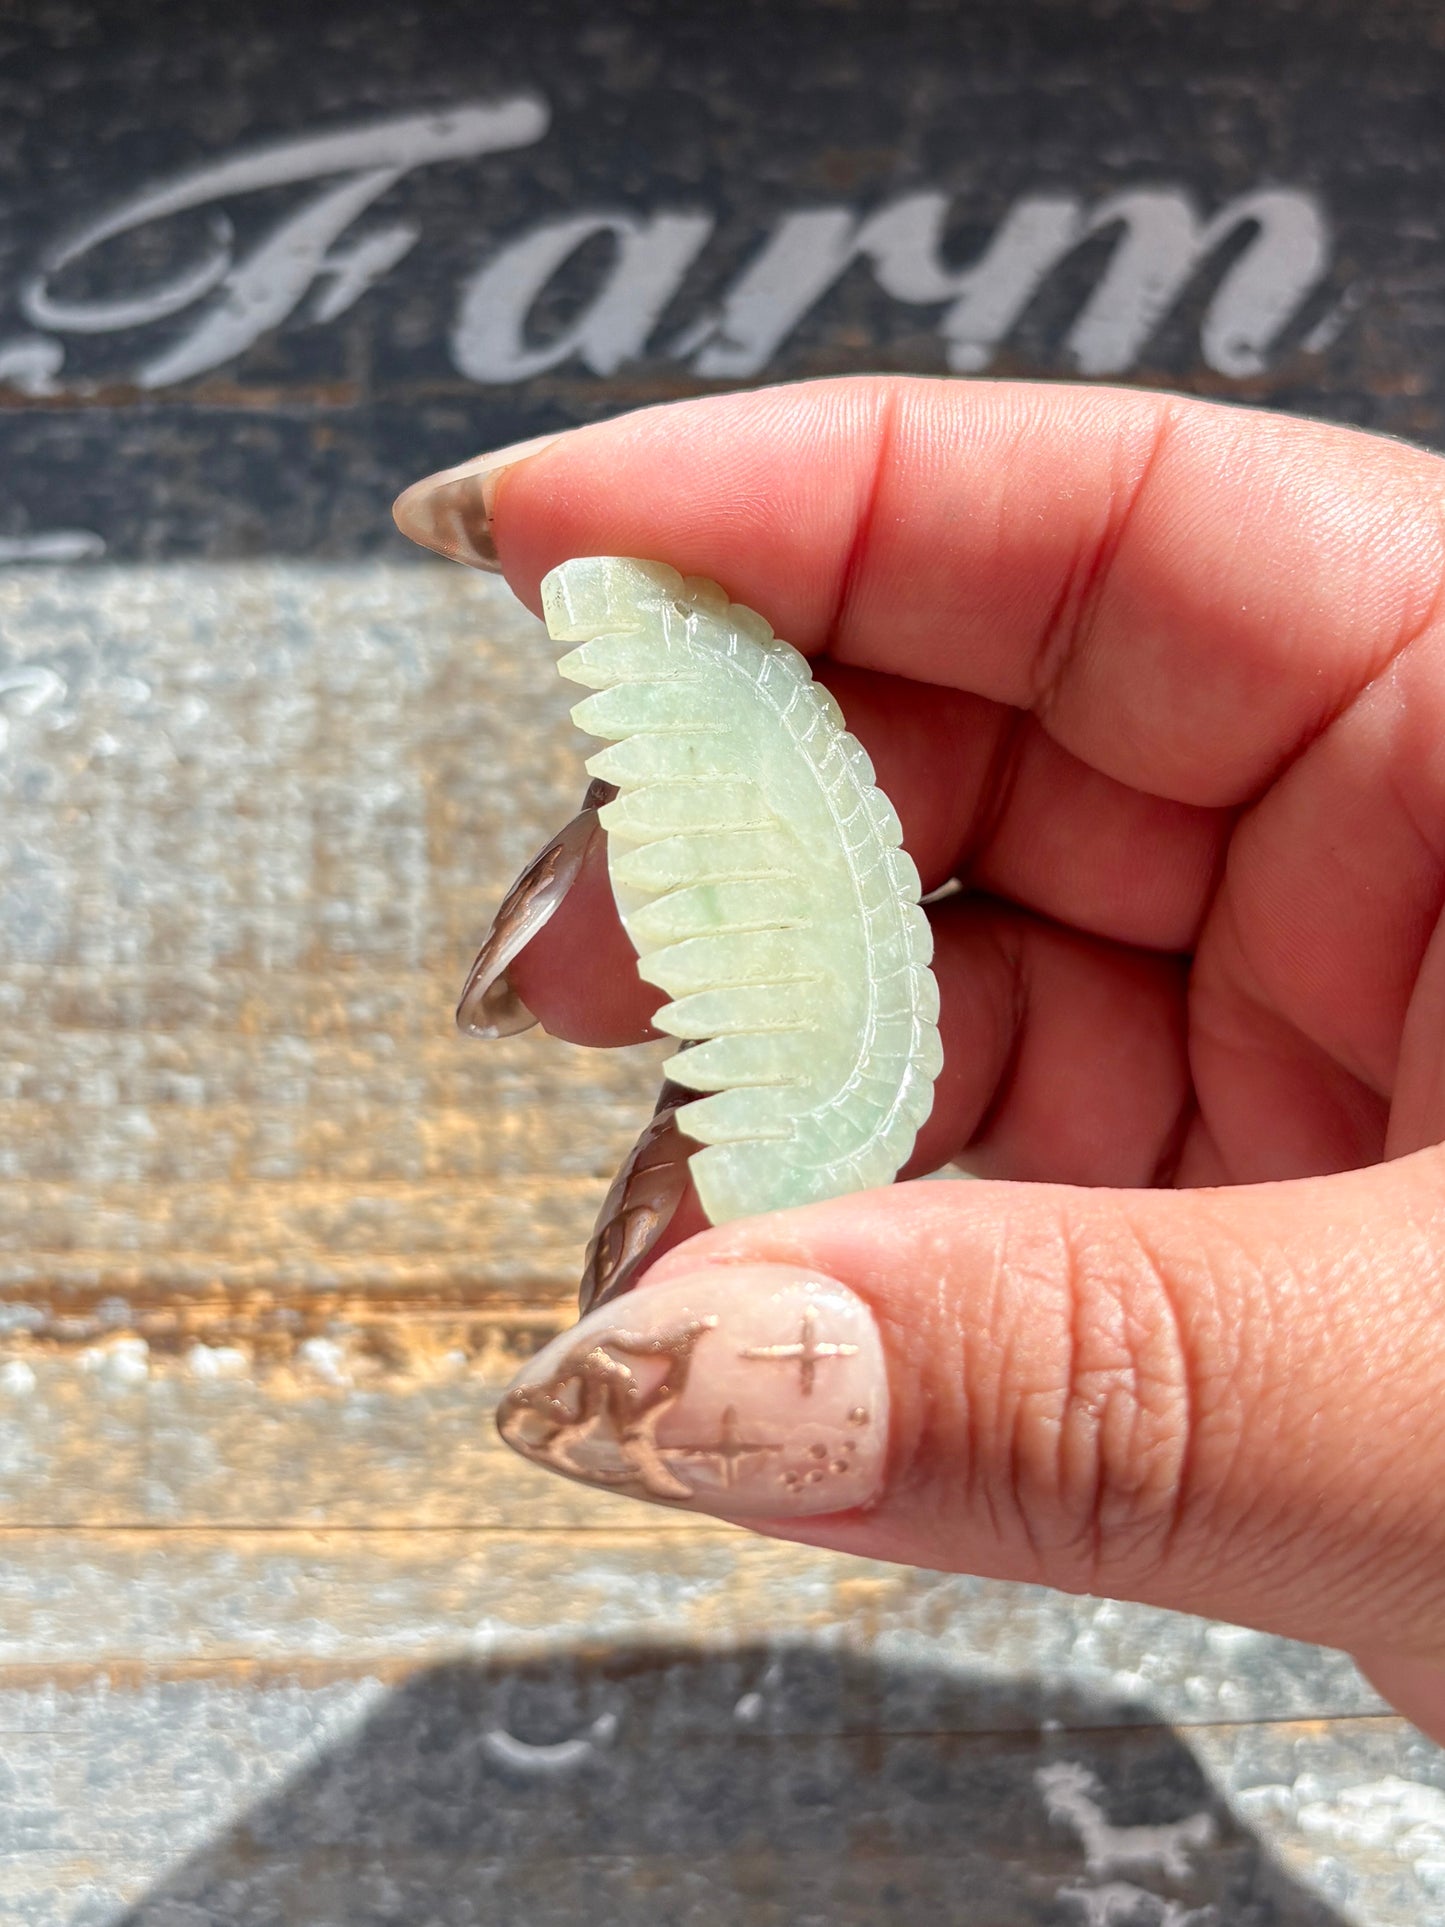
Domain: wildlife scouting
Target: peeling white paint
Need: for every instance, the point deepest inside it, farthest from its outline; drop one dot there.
(17, 1378)
(121, 1362)
(31, 363)
(326, 1359)
(52, 545)
(1069, 1791)
(1404, 1818)
(1118, 1903)
(563, 1756)
(216, 1361)
(28, 687)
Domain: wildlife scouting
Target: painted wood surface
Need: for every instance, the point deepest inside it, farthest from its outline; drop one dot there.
(278, 262)
(285, 1633)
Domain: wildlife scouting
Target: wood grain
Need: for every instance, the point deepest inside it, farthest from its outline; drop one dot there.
(255, 829)
(282, 1624)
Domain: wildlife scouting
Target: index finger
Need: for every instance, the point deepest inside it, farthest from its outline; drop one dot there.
(1184, 593)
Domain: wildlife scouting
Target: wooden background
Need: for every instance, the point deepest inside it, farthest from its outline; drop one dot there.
(285, 1635)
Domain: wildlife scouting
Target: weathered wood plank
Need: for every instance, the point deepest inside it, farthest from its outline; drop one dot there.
(248, 1221)
(87, 1601)
(256, 818)
(358, 1804)
(178, 1110)
(388, 1426)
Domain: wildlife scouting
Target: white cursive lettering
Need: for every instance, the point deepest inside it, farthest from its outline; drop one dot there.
(1161, 244)
(1266, 253)
(256, 294)
(650, 258)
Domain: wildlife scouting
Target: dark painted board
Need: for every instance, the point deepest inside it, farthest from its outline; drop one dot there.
(261, 264)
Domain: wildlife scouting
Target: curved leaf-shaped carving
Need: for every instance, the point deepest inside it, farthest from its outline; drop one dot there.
(759, 874)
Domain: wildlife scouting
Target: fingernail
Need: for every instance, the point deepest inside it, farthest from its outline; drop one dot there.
(749, 1391)
(489, 1006)
(640, 1206)
(451, 511)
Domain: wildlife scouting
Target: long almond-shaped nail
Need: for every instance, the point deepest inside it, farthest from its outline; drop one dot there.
(641, 1204)
(451, 511)
(489, 1006)
(750, 1391)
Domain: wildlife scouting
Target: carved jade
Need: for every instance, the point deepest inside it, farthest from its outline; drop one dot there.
(758, 872)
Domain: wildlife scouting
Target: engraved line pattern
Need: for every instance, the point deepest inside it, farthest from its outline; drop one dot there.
(730, 1450)
(596, 1393)
(764, 854)
(808, 1349)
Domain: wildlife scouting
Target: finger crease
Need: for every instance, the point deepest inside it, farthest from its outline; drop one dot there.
(995, 792)
(1017, 1007)
(854, 562)
(1171, 1151)
(1069, 627)
(1413, 634)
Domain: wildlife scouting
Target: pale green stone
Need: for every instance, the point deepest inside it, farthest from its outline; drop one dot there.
(758, 873)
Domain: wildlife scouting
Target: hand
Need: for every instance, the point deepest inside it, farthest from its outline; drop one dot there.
(1163, 683)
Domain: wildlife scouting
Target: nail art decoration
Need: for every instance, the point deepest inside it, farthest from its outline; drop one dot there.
(596, 1394)
(807, 1348)
(489, 1007)
(759, 874)
(640, 1204)
(772, 1402)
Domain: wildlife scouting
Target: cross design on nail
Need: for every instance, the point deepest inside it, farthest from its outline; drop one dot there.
(729, 1450)
(808, 1351)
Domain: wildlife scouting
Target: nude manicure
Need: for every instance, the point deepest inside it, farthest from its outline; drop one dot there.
(749, 1391)
(451, 511)
(489, 1006)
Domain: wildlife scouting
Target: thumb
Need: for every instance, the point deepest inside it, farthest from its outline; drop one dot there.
(1227, 1402)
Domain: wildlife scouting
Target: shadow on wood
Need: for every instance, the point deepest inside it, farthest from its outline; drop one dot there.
(766, 1787)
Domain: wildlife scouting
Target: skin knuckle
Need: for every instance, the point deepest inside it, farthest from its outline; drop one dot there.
(1097, 1432)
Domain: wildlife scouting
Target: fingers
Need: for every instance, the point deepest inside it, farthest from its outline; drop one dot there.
(579, 973)
(489, 1005)
(1221, 1402)
(1184, 593)
(977, 794)
(1090, 852)
(1193, 601)
(1414, 1686)
(1064, 1059)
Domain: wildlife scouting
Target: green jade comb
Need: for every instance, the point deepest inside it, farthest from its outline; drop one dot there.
(758, 872)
